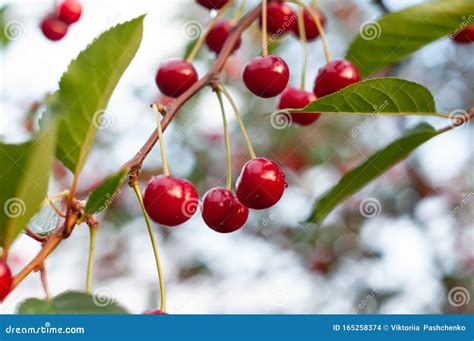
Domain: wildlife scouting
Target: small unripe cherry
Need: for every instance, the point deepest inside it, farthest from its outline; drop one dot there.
(53, 28)
(6, 279)
(175, 76)
(266, 76)
(69, 11)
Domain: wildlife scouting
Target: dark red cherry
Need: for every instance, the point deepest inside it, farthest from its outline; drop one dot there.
(311, 29)
(170, 201)
(260, 184)
(335, 76)
(465, 36)
(154, 312)
(280, 18)
(175, 76)
(218, 34)
(6, 280)
(53, 28)
(212, 4)
(222, 211)
(69, 11)
(293, 98)
(266, 76)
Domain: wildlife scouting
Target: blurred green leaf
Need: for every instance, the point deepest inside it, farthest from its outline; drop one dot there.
(396, 35)
(85, 89)
(102, 196)
(384, 96)
(3, 29)
(71, 302)
(24, 177)
(373, 167)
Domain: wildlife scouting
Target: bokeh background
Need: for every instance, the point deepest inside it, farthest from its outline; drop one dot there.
(401, 245)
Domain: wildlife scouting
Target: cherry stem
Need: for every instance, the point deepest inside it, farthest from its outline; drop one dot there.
(239, 119)
(302, 31)
(44, 280)
(322, 34)
(203, 36)
(227, 142)
(238, 12)
(154, 245)
(264, 28)
(92, 234)
(166, 170)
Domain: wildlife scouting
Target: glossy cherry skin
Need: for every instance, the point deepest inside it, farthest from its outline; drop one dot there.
(310, 27)
(6, 280)
(212, 4)
(335, 76)
(175, 76)
(218, 34)
(53, 28)
(69, 11)
(260, 184)
(222, 211)
(266, 76)
(280, 18)
(154, 312)
(170, 201)
(293, 98)
(466, 36)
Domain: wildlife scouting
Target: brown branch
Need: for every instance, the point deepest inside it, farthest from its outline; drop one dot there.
(135, 163)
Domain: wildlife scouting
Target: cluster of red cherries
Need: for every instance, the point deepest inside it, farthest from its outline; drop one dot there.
(56, 24)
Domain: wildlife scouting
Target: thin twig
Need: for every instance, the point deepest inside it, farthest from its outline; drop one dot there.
(33, 235)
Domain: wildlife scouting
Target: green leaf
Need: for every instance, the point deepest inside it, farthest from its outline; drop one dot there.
(105, 194)
(396, 35)
(71, 302)
(385, 96)
(24, 177)
(373, 167)
(85, 89)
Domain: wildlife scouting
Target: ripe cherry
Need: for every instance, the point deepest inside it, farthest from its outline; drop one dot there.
(266, 76)
(311, 29)
(280, 18)
(154, 312)
(175, 76)
(69, 11)
(6, 280)
(335, 76)
(170, 201)
(218, 34)
(222, 211)
(260, 184)
(212, 4)
(293, 98)
(465, 36)
(53, 28)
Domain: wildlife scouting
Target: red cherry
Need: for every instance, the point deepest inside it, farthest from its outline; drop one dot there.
(212, 4)
(6, 280)
(465, 36)
(280, 18)
(260, 184)
(335, 76)
(266, 76)
(222, 211)
(170, 201)
(53, 28)
(310, 27)
(69, 11)
(218, 34)
(154, 312)
(293, 98)
(175, 76)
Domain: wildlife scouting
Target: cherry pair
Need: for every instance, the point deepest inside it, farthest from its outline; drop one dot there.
(56, 25)
(6, 280)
